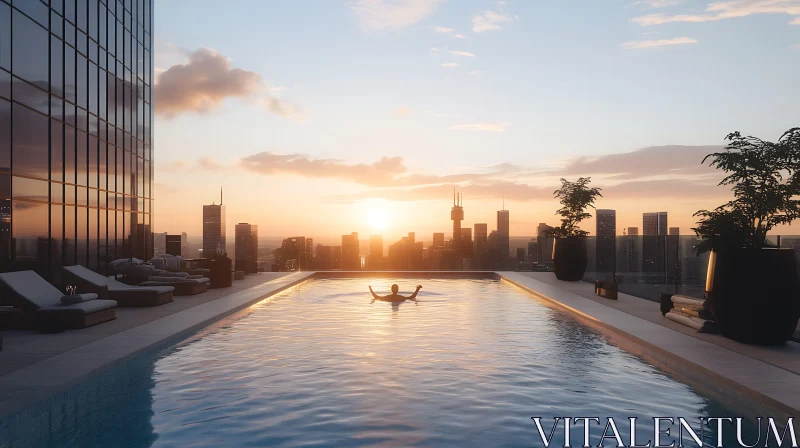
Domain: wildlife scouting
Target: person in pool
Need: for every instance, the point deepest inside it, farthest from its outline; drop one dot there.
(394, 296)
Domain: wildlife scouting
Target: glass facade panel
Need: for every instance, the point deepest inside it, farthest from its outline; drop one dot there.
(5, 36)
(29, 143)
(29, 44)
(75, 133)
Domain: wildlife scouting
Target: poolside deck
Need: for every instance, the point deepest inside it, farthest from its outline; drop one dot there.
(35, 366)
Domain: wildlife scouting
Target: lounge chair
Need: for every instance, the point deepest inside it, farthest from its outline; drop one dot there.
(174, 263)
(125, 295)
(135, 272)
(35, 295)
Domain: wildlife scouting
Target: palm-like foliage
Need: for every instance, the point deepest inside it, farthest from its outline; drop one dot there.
(765, 180)
(574, 197)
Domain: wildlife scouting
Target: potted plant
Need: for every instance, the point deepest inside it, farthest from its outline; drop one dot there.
(569, 246)
(220, 266)
(753, 288)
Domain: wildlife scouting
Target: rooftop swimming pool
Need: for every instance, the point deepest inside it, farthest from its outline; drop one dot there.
(468, 365)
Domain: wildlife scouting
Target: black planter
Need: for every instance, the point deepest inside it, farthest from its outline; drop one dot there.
(569, 258)
(220, 274)
(754, 294)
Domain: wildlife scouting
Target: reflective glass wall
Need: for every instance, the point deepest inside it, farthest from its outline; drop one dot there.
(75, 133)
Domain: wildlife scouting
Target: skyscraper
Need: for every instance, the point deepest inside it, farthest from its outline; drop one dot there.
(654, 223)
(351, 256)
(503, 234)
(633, 231)
(83, 97)
(438, 240)
(544, 244)
(246, 248)
(375, 256)
(481, 235)
(213, 228)
(674, 231)
(654, 231)
(457, 215)
(606, 244)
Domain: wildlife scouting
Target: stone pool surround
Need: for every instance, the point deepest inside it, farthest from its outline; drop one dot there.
(760, 388)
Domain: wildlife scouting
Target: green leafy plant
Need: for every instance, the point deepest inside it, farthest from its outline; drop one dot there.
(575, 197)
(765, 181)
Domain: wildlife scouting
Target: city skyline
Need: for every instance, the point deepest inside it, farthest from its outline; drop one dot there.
(496, 98)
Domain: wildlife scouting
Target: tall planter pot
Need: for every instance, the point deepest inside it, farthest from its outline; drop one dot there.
(220, 272)
(754, 294)
(569, 258)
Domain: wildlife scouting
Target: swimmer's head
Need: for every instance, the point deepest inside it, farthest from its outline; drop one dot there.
(395, 289)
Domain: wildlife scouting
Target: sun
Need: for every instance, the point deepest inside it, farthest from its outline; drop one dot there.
(378, 218)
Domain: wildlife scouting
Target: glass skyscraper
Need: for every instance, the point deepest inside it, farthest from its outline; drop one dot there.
(76, 171)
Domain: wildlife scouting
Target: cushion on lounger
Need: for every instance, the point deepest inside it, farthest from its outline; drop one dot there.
(84, 307)
(78, 298)
(173, 263)
(158, 263)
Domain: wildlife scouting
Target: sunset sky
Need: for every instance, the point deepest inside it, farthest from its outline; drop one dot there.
(314, 116)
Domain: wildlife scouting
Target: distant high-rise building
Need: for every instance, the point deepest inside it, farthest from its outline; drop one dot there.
(309, 254)
(674, 231)
(533, 251)
(481, 234)
(323, 261)
(503, 233)
(544, 244)
(654, 231)
(654, 223)
(520, 254)
(351, 256)
(467, 251)
(606, 243)
(159, 243)
(292, 255)
(633, 231)
(246, 249)
(213, 228)
(438, 240)
(457, 215)
(376, 246)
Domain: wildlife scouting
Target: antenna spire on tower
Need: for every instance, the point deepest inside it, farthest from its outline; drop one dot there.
(504, 202)
(454, 195)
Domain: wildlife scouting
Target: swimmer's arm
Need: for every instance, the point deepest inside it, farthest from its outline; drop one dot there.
(414, 296)
(374, 296)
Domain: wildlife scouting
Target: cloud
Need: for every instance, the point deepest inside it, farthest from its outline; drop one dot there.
(636, 45)
(493, 127)
(462, 53)
(380, 15)
(449, 32)
(796, 47)
(206, 80)
(652, 161)
(727, 10)
(796, 21)
(378, 173)
(490, 20)
(475, 72)
(449, 65)
(434, 52)
(657, 4)
(402, 111)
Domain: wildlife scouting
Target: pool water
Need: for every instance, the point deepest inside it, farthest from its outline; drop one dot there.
(468, 365)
